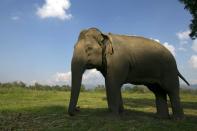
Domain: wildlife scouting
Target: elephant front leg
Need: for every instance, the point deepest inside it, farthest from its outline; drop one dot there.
(114, 97)
(108, 98)
(121, 107)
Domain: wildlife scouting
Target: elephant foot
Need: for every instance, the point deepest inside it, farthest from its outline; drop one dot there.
(72, 112)
(114, 112)
(162, 116)
(178, 117)
(77, 109)
(109, 109)
(121, 109)
(162, 111)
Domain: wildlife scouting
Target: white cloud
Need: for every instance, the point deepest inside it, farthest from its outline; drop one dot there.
(90, 77)
(193, 81)
(183, 36)
(193, 61)
(194, 45)
(33, 82)
(157, 40)
(182, 49)
(171, 48)
(183, 42)
(63, 77)
(15, 17)
(183, 39)
(43, 82)
(55, 9)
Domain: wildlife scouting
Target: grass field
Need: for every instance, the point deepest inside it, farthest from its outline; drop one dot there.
(26, 109)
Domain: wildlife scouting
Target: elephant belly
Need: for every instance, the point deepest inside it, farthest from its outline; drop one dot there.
(144, 81)
(144, 76)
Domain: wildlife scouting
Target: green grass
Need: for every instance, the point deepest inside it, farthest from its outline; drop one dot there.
(25, 109)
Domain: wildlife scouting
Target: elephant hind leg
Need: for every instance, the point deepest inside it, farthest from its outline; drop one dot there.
(177, 109)
(161, 100)
(173, 93)
(176, 106)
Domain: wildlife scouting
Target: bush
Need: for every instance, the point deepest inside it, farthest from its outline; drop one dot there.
(136, 88)
(36, 86)
(82, 88)
(188, 91)
(100, 88)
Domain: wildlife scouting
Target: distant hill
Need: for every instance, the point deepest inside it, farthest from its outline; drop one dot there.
(130, 85)
(191, 86)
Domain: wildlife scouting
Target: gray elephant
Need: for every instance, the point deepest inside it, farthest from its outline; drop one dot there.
(126, 59)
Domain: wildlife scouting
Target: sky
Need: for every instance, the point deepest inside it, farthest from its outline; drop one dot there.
(37, 36)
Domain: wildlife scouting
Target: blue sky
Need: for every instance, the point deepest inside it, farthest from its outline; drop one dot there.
(37, 36)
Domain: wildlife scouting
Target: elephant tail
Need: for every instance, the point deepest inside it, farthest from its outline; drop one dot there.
(179, 74)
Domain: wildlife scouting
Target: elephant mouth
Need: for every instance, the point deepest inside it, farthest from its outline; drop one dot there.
(89, 66)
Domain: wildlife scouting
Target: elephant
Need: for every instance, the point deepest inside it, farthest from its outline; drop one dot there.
(126, 59)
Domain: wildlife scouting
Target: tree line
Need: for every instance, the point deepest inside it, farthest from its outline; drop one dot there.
(98, 88)
(37, 86)
(191, 6)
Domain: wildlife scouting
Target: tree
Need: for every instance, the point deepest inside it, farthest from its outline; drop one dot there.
(100, 88)
(191, 6)
(83, 88)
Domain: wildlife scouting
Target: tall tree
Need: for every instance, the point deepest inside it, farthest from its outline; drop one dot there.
(191, 6)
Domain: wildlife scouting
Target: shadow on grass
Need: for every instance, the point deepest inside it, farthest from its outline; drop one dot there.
(189, 105)
(151, 103)
(55, 117)
(139, 102)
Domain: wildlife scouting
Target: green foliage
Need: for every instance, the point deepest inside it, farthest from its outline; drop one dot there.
(127, 88)
(100, 88)
(36, 86)
(188, 91)
(83, 88)
(13, 84)
(27, 109)
(136, 88)
(191, 6)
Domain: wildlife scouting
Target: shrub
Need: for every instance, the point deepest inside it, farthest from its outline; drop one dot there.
(100, 88)
(83, 88)
(136, 88)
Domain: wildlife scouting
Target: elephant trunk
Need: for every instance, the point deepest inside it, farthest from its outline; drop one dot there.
(77, 69)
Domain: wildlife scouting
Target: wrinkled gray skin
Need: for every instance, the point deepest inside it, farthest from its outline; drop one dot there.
(126, 59)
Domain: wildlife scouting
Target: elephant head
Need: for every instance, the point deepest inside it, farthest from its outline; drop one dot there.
(89, 52)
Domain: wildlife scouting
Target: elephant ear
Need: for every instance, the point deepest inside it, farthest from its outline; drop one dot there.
(107, 41)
